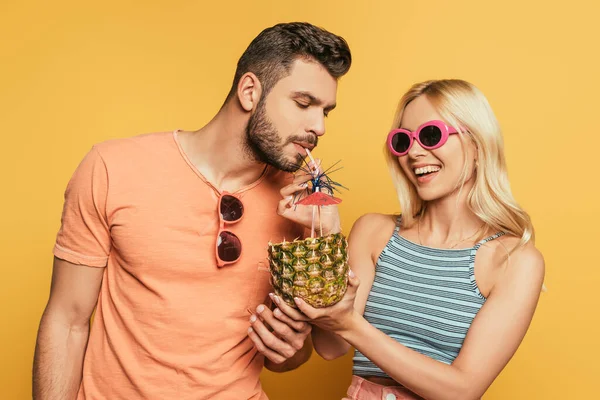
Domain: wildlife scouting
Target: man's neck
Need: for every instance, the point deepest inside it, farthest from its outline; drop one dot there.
(217, 150)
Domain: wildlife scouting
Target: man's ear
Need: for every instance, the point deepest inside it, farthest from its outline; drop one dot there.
(249, 91)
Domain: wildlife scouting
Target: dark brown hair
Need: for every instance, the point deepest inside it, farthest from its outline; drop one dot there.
(270, 55)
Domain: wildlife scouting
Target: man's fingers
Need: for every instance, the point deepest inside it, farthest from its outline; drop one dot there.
(288, 332)
(292, 189)
(284, 205)
(271, 341)
(287, 194)
(281, 329)
(301, 178)
(260, 346)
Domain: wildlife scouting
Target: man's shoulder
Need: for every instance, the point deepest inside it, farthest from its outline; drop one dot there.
(130, 146)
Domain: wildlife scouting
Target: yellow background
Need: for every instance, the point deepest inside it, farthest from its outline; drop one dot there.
(76, 73)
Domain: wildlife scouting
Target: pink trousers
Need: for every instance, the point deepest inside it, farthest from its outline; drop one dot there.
(362, 389)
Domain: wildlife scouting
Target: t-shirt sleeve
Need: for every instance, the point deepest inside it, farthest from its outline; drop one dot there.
(84, 235)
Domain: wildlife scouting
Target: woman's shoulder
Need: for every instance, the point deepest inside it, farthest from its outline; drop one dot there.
(371, 232)
(510, 246)
(527, 258)
(372, 226)
(520, 261)
(373, 222)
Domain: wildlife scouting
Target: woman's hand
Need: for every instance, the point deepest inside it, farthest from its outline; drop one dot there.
(337, 318)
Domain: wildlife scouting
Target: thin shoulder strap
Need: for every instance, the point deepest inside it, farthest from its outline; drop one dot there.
(488, 239)
(472, 261)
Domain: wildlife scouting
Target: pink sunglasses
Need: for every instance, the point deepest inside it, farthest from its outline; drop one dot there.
(431, 135)
(228, 246)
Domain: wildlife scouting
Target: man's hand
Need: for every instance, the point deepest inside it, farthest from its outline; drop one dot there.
(303, 215)
(278, 339)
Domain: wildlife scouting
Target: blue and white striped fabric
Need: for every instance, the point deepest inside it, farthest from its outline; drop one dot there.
(424, 298)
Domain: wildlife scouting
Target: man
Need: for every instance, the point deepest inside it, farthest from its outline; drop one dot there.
(166, 235)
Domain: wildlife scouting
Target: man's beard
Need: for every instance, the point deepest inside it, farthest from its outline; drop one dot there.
(265, 145)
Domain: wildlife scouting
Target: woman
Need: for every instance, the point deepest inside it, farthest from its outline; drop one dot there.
(449, 288)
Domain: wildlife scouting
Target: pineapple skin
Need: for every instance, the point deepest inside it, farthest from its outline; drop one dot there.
(313, 269)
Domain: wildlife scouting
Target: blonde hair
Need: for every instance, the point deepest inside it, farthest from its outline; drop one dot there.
(467, 110)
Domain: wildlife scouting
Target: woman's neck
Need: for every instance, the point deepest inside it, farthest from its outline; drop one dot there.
(449, 221)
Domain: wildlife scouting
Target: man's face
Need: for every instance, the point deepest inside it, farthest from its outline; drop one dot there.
(292, 116)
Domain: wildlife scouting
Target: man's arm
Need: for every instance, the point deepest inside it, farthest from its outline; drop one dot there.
(64, 331)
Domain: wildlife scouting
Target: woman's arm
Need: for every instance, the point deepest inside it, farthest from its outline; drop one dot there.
(493, 338)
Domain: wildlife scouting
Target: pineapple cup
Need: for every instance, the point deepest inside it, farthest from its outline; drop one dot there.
(313, 269)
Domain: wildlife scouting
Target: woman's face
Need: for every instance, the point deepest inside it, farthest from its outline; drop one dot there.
(434, 173)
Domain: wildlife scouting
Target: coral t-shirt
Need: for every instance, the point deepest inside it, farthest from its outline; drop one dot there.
(169, 323)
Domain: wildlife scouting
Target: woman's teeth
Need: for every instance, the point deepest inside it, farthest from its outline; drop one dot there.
(426, 170)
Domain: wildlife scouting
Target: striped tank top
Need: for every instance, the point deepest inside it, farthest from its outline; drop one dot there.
(424, 298)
